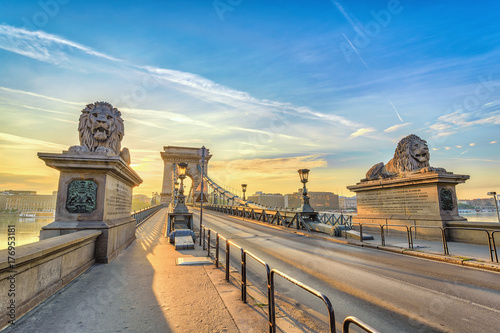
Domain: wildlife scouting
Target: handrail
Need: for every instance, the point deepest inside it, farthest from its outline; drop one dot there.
(361, 229)
(331, 314)
(410, 243)
(494, 245)
(474, 229)
(353, 320)
(142, 215)
(443, 236)
(270, 302)
(270, 283)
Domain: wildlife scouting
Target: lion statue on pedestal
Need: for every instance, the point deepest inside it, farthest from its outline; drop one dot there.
(411, 156)
(101, 131)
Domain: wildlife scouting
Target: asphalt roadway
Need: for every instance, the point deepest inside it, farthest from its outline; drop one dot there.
(389, 291)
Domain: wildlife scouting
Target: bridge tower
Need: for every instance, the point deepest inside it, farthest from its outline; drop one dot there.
(173, 155)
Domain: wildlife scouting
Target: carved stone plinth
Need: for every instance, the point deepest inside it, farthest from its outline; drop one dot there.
(427, 199)
(95, 192)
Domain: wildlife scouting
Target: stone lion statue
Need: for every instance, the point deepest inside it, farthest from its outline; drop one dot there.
(101, 131)
(411, 156)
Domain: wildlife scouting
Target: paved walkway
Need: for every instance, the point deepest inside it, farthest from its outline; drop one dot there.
(143, 290)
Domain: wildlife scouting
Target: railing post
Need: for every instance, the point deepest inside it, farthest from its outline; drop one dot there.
(445, 242)
(208, 243)
(243, 276)
(216, 250)
(409, 238)
(489, 246)
(270, 300)
(382, 234)
(494, 245)
(227, 260)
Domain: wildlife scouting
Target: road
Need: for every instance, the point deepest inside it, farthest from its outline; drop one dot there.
(389, 291)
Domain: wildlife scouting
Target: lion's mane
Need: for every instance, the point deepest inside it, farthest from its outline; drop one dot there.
(403, 161)
(116, 129)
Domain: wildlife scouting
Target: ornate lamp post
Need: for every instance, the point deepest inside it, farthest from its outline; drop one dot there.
(180, 207)
(494, 194)
(176, 191)
(244, 189)
(202, 152)
(304, 175)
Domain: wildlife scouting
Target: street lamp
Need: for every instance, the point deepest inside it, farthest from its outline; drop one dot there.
(180, 207)
(494, 194)
(202, 152)
(304, 177)
(176, 191)
(244, 189)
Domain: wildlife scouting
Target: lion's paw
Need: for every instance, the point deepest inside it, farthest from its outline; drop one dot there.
(79, 149)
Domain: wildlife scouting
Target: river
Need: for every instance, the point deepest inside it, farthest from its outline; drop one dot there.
(27, 229)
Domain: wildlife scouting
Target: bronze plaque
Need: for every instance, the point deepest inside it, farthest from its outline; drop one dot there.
(446, 199)
(82, 196)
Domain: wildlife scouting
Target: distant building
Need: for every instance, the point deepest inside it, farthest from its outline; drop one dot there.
(348, 203)
(268, 199)
(141, 198)
(318, 200)
(27, 201)
(487, 204)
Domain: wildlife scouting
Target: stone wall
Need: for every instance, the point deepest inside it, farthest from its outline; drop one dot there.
(40, 269)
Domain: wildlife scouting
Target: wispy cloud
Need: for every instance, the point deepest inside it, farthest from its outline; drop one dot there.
(57, 50)
(266, 167)
(23, 141)
(15, 91)
(396, 127)
(451, 123)
(362, 132)
(42, 46)
(162, 114)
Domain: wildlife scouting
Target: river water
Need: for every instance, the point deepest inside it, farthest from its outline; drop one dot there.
(28, 229)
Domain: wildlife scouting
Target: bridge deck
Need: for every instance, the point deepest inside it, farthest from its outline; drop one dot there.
(140, 291)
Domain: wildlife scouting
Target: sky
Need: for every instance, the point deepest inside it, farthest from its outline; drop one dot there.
(268, 86)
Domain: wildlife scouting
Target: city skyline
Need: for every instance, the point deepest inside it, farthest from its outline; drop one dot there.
(268, 87)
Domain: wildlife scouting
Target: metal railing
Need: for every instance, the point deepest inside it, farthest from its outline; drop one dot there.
(471, 229)
(334, 219)
(331, 314)
(142, 215)
(443, 235)
(353, 320)
(489, 234)
(270, 282)
(494, 245)
(408, 236)
(285, 217)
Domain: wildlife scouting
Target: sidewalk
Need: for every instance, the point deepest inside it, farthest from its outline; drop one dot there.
(143, 290)
(473, 255)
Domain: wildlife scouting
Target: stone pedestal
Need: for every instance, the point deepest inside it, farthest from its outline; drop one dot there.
(426, 199)
(95, 192)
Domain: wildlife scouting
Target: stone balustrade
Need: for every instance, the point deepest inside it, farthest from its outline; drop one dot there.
(40, 269)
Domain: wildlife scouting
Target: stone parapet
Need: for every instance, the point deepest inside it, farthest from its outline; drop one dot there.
(40, 269)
